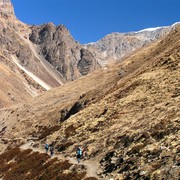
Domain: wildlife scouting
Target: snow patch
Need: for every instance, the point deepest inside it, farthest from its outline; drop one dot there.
(156, 28)
(177, 23)
(35, 78)
(149, 29)
(90, 44)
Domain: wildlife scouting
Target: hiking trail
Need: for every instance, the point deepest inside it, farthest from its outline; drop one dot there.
(91, 166)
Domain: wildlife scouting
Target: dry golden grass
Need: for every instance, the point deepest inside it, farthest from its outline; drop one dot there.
(130, 124)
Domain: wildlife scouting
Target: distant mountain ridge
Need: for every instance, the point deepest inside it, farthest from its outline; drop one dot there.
(116, 45)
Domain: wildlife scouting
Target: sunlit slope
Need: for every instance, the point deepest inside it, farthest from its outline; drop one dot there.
(15, 86)
(129, 110)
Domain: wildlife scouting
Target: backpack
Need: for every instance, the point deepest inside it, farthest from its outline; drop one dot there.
(79, 152)
(46, 146)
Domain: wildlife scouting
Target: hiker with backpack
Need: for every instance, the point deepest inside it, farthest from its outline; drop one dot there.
(46, 147)
(51, 151)
(79, 154)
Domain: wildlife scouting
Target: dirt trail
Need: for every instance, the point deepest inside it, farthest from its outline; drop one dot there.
(91, 166)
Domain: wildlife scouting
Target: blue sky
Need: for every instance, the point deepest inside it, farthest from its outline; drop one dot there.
(90, 20)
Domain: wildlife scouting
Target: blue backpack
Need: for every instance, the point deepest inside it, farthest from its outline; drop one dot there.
(79, 152)
(46, 146)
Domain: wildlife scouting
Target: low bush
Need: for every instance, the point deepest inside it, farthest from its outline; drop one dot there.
(46, 131)
(28, 165)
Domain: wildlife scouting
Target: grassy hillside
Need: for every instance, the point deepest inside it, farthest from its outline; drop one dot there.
(126, 116)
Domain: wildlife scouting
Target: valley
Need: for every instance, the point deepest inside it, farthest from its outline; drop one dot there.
(122, 109)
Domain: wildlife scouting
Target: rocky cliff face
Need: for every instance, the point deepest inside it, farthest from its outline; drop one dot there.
(115, 46)
(6, 8)
(23, 75)
(58, 47)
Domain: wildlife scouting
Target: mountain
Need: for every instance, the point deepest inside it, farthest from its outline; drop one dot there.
(22, 72)
(126, 116)
(115, 46)
(53, 90)
(46, 56)
(37, 57)
(58, 47)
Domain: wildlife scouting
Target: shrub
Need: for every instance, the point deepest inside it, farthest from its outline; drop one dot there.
(45, 131)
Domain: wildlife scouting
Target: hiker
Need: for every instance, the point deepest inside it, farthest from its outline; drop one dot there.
(51, 151)
(84, 154)
(79, 154)
(46, 147)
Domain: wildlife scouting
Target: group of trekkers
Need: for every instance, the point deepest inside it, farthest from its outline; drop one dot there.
(79, 151)
(50, 149)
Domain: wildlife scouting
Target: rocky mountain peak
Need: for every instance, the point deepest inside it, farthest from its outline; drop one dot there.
(6, 8)
(115, 46)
